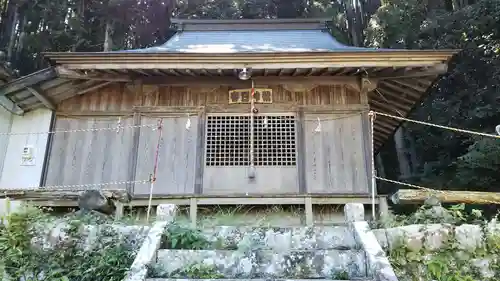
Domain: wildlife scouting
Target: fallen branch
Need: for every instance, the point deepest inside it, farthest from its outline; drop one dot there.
(408, 196)
(59, 194)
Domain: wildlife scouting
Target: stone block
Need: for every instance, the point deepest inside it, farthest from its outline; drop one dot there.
(283, 239)
(469, 236)
(166, 212)
(263, 263)
(354, 212)
(381, 236)
(377, 262)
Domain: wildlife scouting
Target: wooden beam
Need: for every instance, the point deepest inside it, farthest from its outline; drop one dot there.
(366, 86)
(64, 72)
(382, 129)
(10, 106)
(381, 96)
(402, 97)
(413, 93)
(386, 108)
(27, 81)
(408, 85)
(411, 57)
(59, 194)
(405, 196)
(381, 123)
(83, 88)
(265, 80)
(93, 88)
(434, 70)
(38, 93)
(151, 63)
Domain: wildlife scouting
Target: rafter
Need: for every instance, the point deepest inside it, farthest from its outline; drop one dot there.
(434, 70)
(96, 76)
(409, 85)
(398, 96)
(40, 95)
(412, 93)
(27, 81)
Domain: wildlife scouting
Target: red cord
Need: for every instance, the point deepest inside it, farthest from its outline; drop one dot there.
(155, 168)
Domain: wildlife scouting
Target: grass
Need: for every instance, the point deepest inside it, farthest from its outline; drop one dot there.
(261, 215)
(231, 215)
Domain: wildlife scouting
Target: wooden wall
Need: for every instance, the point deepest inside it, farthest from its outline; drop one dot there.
(330, 162)
(177, 156)
(335, 157)
(90, 157)
(118, 98)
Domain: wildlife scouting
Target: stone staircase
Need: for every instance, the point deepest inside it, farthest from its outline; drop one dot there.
(265, 253)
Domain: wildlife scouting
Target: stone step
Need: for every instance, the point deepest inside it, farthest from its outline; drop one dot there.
(282, 239)
(325, 264)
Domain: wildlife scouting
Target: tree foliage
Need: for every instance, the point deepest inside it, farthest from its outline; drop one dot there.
(466, 97)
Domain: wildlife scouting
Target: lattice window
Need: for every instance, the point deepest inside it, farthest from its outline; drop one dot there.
(228, 140)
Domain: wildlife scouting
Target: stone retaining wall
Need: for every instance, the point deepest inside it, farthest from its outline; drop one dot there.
(90, 236)
(433, 236)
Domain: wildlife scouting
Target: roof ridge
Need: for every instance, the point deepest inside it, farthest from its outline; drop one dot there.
(250, 24)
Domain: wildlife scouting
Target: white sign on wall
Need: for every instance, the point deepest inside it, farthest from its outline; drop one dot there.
(28, 156)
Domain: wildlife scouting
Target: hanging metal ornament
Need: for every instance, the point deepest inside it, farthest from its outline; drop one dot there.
(318, 127)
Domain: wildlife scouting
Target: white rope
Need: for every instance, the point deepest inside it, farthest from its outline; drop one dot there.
(439, 126)
(82, 130)
(88, 185)
(372, 115)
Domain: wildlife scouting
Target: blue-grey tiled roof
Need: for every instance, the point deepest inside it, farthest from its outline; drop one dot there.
(251, 41)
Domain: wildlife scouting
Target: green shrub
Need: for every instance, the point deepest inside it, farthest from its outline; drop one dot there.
(66, 261)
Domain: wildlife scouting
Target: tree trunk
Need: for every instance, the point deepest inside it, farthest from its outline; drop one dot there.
(380, 166)
(404, 164)
(351, 22)
(108, 37)
(414, 161)
(23, 21)
(409, 196)
(12, 33)
(80, 15)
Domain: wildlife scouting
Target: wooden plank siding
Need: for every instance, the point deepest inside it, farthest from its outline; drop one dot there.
(177, 156)
(119, 97)
(335, 156)
(80, 158)
(89, 157)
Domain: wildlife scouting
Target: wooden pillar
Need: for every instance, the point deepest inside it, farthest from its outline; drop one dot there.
(200, 153)
(366, 86)
(301, 162)
(193, 209)
(119, 210)
(137, 91)
(309, 211)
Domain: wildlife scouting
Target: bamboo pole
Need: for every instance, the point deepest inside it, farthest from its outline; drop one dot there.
(409, 196)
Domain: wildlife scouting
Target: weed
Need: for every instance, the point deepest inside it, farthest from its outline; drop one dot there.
(65, 261)
(181, 237)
